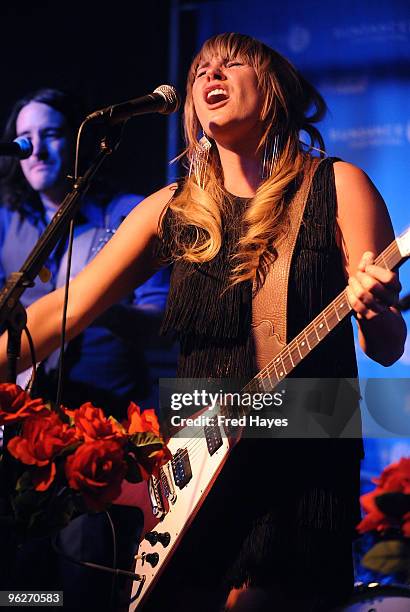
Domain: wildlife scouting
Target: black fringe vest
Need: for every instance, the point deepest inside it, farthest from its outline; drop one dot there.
(213, 325)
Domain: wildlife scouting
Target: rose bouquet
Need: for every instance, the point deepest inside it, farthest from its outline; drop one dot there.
(63, 462)
(387, 514)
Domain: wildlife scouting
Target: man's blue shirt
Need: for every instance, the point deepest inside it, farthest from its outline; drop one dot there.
(99, 366)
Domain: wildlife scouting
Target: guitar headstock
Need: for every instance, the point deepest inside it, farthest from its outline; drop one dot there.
(403, 243)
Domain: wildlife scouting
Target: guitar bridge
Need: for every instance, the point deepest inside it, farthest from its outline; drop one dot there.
(167, 484)
(155, 494)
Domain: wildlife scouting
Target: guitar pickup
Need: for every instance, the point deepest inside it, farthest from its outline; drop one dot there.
(181, 468)
(213, 437)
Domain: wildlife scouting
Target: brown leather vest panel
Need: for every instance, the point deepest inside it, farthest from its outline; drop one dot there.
(269, 305)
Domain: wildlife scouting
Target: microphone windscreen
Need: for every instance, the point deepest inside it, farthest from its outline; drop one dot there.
(171, 96)
(25, 146)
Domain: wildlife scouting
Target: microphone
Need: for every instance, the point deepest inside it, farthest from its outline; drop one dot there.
(21, 148)
(164, 99)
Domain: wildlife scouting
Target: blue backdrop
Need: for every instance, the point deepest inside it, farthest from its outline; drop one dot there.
(358, 56)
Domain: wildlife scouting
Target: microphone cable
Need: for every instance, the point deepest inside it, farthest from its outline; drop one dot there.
(75, 178)
(116, 572)
(67, 279)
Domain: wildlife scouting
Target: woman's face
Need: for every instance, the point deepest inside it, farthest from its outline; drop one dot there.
(227, 100)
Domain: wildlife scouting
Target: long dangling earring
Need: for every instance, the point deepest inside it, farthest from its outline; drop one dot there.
(271, 154)
(199, 160)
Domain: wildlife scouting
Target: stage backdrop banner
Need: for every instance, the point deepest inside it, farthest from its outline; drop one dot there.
(358, 56)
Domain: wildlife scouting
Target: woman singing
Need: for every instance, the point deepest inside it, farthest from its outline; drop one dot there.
(263, 234)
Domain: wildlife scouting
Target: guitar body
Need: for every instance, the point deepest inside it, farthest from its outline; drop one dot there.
(170, 506)
(172, 502)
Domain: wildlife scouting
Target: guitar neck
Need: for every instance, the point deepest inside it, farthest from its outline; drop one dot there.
(294, 352)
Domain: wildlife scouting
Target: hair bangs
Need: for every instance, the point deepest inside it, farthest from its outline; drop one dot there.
(228, 46)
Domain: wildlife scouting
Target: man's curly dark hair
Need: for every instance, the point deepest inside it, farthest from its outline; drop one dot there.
(14, 188)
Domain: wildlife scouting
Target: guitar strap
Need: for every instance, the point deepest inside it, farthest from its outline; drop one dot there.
(269, 305)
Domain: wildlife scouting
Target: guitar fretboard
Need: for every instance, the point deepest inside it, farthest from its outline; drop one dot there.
(293, 353)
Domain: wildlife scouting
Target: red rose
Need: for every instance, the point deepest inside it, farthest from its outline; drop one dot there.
(96, 469)
(139, 422)
(41, 440)
(374, 519)
(395, 478)
(16, 404)
(91, 424)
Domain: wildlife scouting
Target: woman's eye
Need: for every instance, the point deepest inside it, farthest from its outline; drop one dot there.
(230, 64)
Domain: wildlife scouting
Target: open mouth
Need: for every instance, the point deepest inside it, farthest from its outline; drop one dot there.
(216, 95)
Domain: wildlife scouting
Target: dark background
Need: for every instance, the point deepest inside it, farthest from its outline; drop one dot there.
(111, 52)
(105, 52)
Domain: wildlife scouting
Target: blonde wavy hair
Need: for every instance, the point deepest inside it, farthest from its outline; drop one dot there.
(291, 104)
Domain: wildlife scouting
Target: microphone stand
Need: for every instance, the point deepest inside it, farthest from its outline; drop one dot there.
(13, 317)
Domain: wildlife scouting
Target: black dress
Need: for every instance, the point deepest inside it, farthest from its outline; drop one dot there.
(282, 512)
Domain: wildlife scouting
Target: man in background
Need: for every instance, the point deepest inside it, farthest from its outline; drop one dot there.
(106, 365)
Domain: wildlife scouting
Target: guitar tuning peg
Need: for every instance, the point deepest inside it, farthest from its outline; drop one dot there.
(164, 538)
(152, 537)
(152, 559)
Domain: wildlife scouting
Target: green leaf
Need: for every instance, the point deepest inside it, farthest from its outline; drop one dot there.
(28, 500)
(63, 416)
(146, 438)
(68, 450)
(388, 557)
(133, 470)
(43, 513)
(69, 419)
(24, 482)
(117, 423)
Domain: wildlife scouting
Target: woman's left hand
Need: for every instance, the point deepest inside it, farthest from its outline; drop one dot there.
(373, 289)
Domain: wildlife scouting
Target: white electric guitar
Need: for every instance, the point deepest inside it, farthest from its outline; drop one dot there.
(171, 502)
